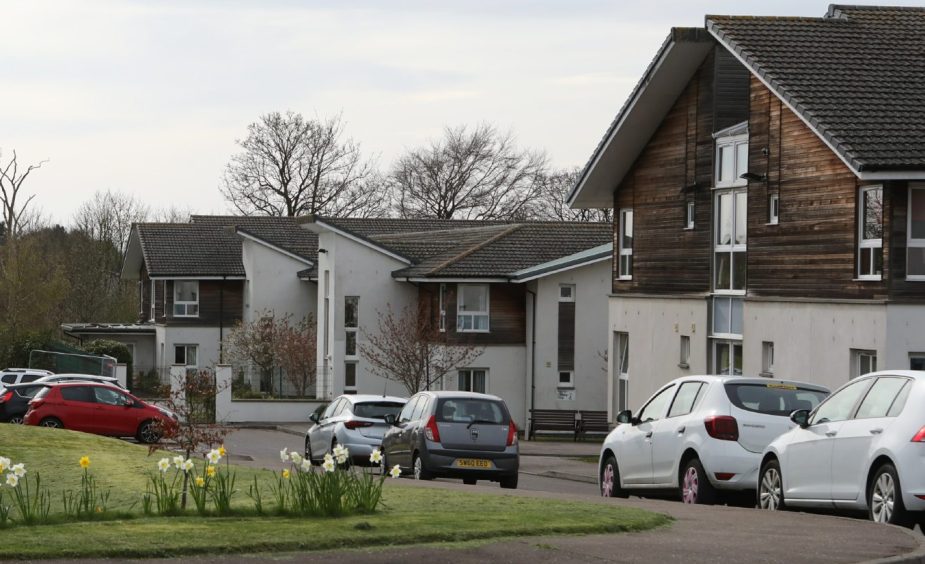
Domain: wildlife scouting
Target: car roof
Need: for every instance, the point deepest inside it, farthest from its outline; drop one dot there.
(917, 374)
(361, 398)
(723, 379)
(460, 395)
(72, 383)
(90, 377)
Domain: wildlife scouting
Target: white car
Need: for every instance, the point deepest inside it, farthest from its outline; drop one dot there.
(863, 448)
(700, 434)
(57, 378)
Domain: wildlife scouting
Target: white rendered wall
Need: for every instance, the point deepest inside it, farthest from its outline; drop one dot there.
(905, 334)
(273, 285)
(507, 377)
(228, 410)
(592, 285)
(205, 338)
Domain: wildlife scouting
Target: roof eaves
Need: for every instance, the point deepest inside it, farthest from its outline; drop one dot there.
(261, 241)
(586, 257)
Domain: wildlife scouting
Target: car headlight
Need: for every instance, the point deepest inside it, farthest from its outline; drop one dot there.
(167, 412)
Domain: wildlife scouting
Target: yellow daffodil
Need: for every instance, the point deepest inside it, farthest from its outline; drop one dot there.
(286, 473)
(163, 464)
(222, 451)
(214, 456)
(395, 472)
(200, 481)
(12, 480)
(4, 463)
(19, 470)
(84, 462)
(210, 471)
(99, 509)
(375, 457)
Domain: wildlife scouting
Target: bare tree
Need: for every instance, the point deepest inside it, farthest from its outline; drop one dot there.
(550, 203)
(14, 203)
(293, 166)
(408, 349)
(252, 344)
(170, 214)
(475, 173)
(109, 216)
(296, 351)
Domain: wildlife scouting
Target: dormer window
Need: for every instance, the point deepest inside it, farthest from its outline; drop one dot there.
(186, 298)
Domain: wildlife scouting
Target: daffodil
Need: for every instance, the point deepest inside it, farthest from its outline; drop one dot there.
(12, 480)
(214, 456)
(341, 453)
(328, 464)
(306, 465)
(187, 465)
(375, 457)
(222, 451)
(4, 463)
(295, 457)
(395, 472)
(286, 473)
(200, 481)
(177, 461)
(284, 455)
(84, 462)
(163, 464)
(19, 470)
(99, 509)
(210, 471)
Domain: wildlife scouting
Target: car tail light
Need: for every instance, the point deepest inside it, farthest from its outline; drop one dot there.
(357, 424)
(920, 436)
(722, 427)
(6, 397)
(724, 476)
(431, 431)
(922, 497)
(512, 434)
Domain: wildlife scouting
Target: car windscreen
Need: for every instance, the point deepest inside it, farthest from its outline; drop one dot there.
(467, 410)
(773, 398)
(377, 409)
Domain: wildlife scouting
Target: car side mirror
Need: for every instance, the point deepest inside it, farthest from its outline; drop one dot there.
(390, 419)
(625, 416)
(129, 403)
(313, 417)
(800, 417)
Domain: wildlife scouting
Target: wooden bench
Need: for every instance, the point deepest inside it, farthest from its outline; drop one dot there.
(592, 422)
(554, 420)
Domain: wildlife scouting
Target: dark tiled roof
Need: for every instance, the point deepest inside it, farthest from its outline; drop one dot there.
(209, 246)
(475, 249)
(857, 75)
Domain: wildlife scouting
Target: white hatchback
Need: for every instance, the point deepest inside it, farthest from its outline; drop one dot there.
(700, 434)
(863, 448)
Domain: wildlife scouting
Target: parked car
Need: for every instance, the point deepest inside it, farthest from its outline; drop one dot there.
(53, 378)
(21, 375)
(98, 408)
(14, 401)
(860, 449)
(356, 422)
(700, 434)
(454, 435)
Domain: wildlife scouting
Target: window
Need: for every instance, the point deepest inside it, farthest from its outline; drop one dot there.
(772, 398)
(863, 362)
(110, 397)
(838, 406)
(689, 215)
(350, 375)
(566, 292)
(915, 244)
(185, 298)
(408, 410)
(472, 308)
(351, 324)
(727, 357)
(730, 241)
(622, 357)
(153, 297)
(767, 359)
(442, 305)
(566, 379)
(686, 399)
(870, 233)
(473, 380)
(881, 397)
(727, 316)
(774, 209)
(916, 361)
(626, 245)
(77, 393)
(465, 410)
(685, 359)
(731, 161)
(420, 408)
(186, 355)
(654, 410)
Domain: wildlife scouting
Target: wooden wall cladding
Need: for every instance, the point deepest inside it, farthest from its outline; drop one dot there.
(221, 302)
(506, 308)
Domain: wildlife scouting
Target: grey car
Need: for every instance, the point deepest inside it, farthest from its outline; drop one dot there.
(354, 421)
(454, 435)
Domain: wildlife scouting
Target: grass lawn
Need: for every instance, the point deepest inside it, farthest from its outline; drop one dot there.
(410, 515)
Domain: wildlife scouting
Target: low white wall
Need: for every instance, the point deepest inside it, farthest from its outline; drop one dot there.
(228, 410)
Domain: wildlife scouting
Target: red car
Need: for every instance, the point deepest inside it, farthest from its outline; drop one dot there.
(98, 408)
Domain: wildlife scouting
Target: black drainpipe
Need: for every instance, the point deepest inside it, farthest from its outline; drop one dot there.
(221, 321)
(532, 362)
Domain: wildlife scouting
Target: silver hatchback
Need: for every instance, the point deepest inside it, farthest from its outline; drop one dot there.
(356, 422)
(454, 435)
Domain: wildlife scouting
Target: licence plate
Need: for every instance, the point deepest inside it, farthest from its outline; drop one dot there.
(473, 463)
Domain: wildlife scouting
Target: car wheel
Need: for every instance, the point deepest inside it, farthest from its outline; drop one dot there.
(308, 451)
(51, 422)
(771, 487)
(509, 482)
(383, 464)
(470, 481)
(16, 420)
(695, 486)
(885, 500)
(420, 473)
(148, 433)
(610, 479)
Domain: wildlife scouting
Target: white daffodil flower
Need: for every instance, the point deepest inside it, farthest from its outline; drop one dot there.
(4, 463)
(12, 480)
(186, 465)
(214, 456)
(306, 465)
(295, 457)
(375, 457)
(341, 453)
(178, 461)
(163, 464)
(284, 455)
(328, 463)
(395, 472)
(19, 470)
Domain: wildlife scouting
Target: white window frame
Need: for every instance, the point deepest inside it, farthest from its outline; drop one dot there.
(571, 289)
(471, 374)
(355, 331)
(913, 243)
(857, 355)
(185, 304)
(153, 303)
(868, 243)
(186, 347)
(571, 379)
(473, 314)
(441, 297)
(623, 251)
(774, 209)
(685, 357)
(739, 168)
(732, 248)
(621, 353)
(716, 343)
(690, 209)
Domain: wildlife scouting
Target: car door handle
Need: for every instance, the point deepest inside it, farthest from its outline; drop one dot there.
(831, 433)
(680, 430)
(649, 435)
(876, 431)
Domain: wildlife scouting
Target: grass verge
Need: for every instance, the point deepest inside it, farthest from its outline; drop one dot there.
(410, 516)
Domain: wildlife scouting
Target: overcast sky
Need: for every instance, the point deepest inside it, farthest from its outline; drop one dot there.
(149, 97)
